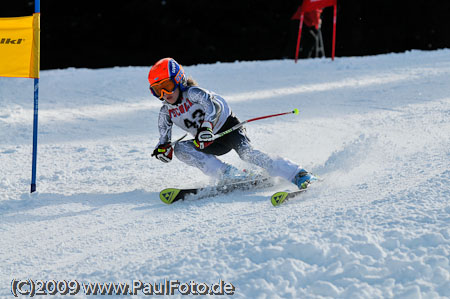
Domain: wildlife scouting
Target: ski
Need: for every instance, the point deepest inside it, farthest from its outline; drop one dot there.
(283, 196)
(171, 195)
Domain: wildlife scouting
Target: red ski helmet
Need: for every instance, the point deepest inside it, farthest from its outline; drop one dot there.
(165, 76)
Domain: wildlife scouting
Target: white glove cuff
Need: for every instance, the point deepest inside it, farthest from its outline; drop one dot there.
(207, 124)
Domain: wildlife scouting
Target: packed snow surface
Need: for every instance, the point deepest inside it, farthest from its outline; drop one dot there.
(376, 129)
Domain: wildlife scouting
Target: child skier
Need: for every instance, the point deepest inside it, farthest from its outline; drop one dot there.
(203, 114)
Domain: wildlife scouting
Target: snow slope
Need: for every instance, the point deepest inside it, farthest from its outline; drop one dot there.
(377, 129)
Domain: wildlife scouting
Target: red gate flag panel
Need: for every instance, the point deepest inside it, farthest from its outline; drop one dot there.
(309, 6)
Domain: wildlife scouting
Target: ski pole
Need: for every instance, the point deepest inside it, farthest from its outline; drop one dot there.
(235, 127)
(178, 140)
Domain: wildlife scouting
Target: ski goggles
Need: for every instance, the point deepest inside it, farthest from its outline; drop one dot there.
(166, 86)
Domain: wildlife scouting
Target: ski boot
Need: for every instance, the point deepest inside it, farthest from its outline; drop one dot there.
(232, 175)
(303, 178)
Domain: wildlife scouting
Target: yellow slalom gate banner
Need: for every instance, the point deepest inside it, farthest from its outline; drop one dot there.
(20, 46)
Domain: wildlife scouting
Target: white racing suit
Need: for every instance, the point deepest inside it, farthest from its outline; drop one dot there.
(197, 105)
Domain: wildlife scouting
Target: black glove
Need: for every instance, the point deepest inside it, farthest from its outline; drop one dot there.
(163, 152)
(204, 135)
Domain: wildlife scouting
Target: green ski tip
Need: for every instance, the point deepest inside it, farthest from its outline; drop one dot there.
(168, 195)
(295, 111)
(278, 198)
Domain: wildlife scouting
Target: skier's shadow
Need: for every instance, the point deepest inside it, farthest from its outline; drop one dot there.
(192, 201)
(24, 210)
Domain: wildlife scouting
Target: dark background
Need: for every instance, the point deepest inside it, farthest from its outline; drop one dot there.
(98, 33)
